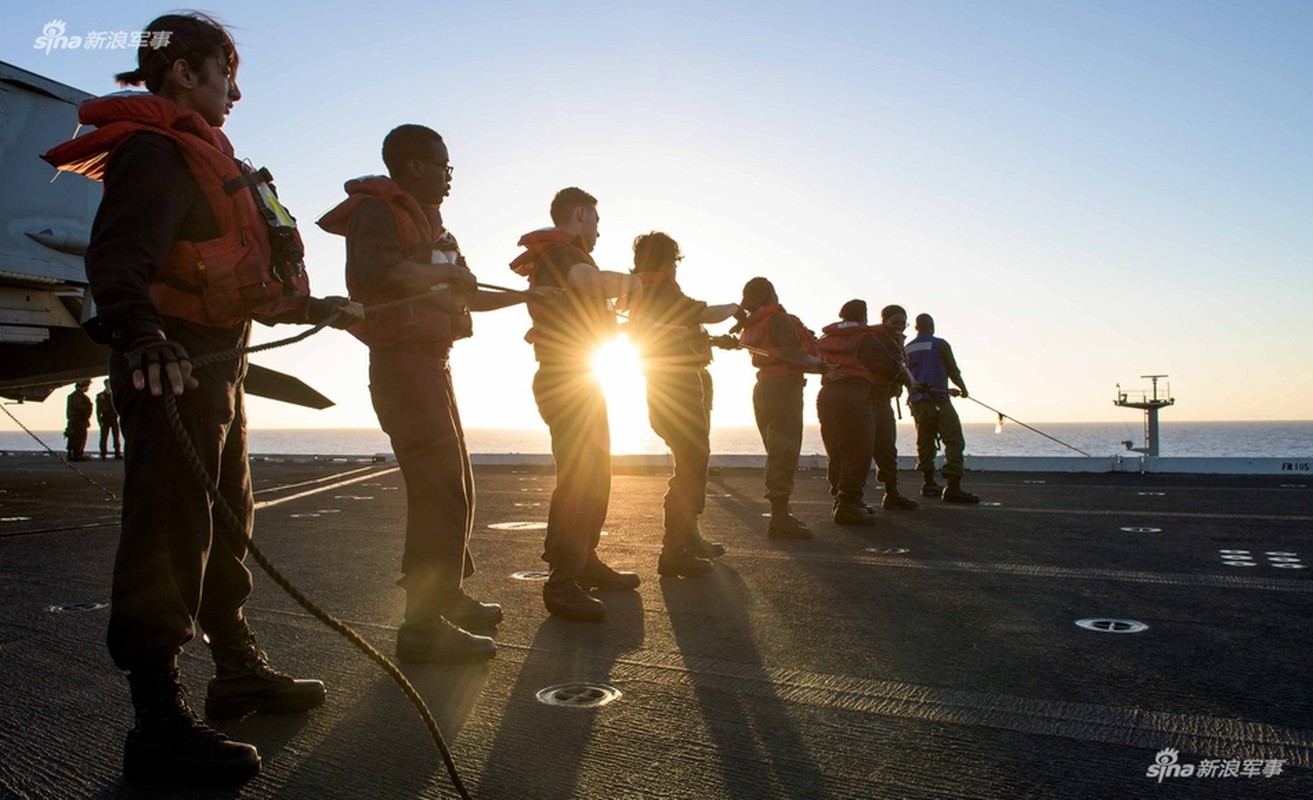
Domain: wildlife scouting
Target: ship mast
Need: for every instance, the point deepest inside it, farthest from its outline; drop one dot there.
(1151, 403)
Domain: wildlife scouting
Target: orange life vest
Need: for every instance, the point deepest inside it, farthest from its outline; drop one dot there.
(568, 331)
(535, 243)
(421, 242)
(756, 334)
(838, 345)
(218, 282)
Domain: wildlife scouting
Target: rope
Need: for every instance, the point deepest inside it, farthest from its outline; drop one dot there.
(237, 528)
(62, 460)
(1001, 416)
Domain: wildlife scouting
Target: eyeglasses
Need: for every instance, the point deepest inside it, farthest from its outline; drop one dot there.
(444, 166)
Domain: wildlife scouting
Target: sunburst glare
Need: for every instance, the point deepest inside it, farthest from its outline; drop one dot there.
(619, 369)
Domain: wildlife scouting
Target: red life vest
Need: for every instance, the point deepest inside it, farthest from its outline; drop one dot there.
(222, 281)
(756, 334)
(838, 345)
(420, 241)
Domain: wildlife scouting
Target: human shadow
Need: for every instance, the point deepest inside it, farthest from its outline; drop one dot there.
(709, 619)
(561, 652)
(381, 747)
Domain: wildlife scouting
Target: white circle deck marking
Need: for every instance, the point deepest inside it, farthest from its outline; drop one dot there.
(330, 511)
(15, 519)
(1151, 494)
(1234, 551)
(992, 504)
(1282, 560)
(1106, 625)
(1142, 529)
(1277, 553)
(308, 515)
(76, 608)
(530, 575)
(579, 695)
(352, 497)
(887, 551)
(1291, 566)
(526, 505)
(1241, 563)
(518, 526)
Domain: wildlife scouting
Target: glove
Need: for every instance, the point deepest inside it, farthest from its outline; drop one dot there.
(163, 352)
(151, 358)
(323, 308)
(724, 342)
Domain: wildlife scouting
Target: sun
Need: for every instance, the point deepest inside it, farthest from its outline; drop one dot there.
(619, 369)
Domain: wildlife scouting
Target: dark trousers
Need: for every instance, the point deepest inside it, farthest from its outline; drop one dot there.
(886, 440)
(848, 431)
(777, 403)
(77, 441)
(106, 429)
(176, 563)
(572, 404)
(410, 385)
(676, 408)
(938, 418)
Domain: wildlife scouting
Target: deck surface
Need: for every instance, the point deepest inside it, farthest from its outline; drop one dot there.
(933, 656)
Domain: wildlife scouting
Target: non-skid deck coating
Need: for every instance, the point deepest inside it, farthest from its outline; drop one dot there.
(934, 656)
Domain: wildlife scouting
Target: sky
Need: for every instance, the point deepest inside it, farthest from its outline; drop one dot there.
(1081, 193)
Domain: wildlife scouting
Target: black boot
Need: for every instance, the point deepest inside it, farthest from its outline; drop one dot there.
(783, 525)
(437, 641)
(895, 500)
(679, 562)
(244, 682)
(853, 514)
(467, 612)
(954, 493)
(699, 547)
(597, 575)
(567, 600)
(170, 743)
(930, 488)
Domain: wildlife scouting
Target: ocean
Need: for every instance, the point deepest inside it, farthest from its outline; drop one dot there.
(1178, 439)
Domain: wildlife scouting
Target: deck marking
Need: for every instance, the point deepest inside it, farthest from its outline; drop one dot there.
(325, 488)
(1089, 722)
(1044, 571)
(1103, 512)
(323, 479)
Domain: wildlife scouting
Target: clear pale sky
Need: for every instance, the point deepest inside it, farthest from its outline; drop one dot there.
(1079, 192)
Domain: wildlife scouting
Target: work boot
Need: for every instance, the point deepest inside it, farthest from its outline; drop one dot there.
(954, 493)
(853, 514)
(244, 682)
(895, 500)
(681, 563)
(565, 599)
(783, 525)
(170, 743)
(438, 641)
(466, 612)
(597, 575)
(701, 548)
(930, 488)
